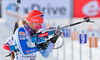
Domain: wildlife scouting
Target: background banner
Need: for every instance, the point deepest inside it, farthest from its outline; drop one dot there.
(84, 8)
(51, 9)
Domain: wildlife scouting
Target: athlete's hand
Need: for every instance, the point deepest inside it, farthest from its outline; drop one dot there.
(57, 33)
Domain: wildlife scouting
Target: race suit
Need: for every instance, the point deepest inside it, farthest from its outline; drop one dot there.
(26, 50)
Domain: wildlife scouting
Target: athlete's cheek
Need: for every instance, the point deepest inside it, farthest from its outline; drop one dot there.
(38, 27)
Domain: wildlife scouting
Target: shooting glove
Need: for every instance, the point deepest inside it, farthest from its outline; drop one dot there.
(42, 46)
(57, 33)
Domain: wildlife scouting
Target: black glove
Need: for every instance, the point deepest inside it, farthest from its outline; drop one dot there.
(57, 33)
(42, 46)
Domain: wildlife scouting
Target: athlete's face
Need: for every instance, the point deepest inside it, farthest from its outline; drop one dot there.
(36, 26)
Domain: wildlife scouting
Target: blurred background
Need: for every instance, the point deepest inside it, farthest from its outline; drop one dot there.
(81, 42)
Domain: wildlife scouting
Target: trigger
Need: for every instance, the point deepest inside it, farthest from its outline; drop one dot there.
(46, 37)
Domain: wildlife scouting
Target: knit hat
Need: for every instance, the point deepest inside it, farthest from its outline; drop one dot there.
(35, 16)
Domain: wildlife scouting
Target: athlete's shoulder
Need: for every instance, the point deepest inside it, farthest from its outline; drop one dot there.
(21, 29)
(21, 33)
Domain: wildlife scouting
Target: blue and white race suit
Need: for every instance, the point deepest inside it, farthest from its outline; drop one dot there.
(27, 49)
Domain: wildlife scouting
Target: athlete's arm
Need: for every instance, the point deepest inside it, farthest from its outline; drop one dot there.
(46, 52)
(20, 36)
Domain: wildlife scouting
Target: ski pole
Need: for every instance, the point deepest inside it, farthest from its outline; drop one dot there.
(18, 1)
(16, 23)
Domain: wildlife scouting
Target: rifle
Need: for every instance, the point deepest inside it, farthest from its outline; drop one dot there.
(41, 37)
